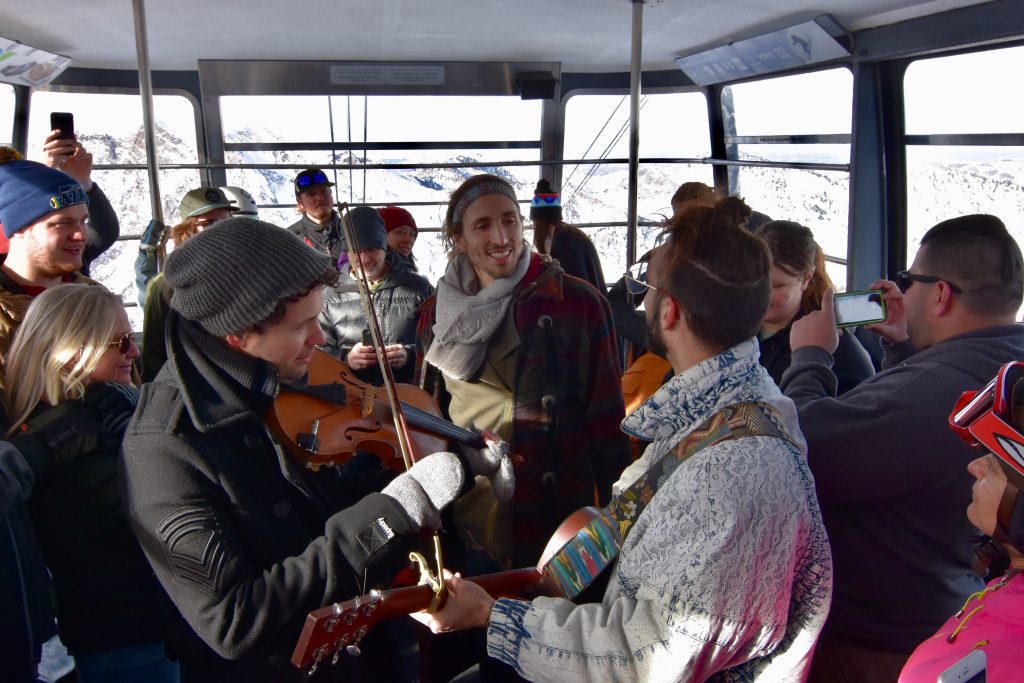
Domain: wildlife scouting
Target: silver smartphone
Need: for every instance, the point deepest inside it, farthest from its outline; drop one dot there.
(859, 308)
(970, 669)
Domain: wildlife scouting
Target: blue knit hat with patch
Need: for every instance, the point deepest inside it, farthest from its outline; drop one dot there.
(30, 190)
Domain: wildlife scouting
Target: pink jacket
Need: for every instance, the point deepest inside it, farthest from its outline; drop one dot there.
(992, 620)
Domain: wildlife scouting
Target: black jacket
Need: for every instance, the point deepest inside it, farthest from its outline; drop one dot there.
(107, 595)
(103, 227)
(851, 362)
(395, 301)
(327, 239)
(26, 611)
(244, 540)
(578, 257)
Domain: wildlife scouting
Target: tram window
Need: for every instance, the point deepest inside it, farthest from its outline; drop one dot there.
(6, 114)
(977, 165)
(805, 118)
(672, 125)
(478, 130)
(110, 127)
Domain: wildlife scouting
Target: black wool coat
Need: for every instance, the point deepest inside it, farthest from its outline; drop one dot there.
(244, 540)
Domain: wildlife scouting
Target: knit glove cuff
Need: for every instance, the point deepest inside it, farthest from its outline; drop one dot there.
(493, 462)
(430, 485)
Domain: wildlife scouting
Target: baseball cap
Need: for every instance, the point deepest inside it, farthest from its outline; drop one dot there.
(310, 178)
(203, 199)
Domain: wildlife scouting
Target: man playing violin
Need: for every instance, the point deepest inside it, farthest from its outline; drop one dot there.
(245, 541)
(725, 563)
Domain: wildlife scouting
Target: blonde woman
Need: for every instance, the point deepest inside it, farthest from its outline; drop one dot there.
(73, 352)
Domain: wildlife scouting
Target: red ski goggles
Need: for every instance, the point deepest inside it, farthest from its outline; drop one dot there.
(985, 418)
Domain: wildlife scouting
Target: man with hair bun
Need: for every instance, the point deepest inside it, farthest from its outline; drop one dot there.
(724, 570)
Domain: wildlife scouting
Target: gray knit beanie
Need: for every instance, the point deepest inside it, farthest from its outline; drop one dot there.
(368, 228)
(232, 275)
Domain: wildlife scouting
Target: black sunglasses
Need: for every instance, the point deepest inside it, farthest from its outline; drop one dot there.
(904, 279)
(124, 344)
(308, 179)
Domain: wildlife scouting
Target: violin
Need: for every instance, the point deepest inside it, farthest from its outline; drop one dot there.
(334, 414)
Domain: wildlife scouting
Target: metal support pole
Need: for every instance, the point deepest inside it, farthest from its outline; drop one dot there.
(146, 92)
(634, 129)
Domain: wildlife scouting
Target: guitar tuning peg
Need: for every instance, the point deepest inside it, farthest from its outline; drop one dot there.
(353, 650)
(321, 652)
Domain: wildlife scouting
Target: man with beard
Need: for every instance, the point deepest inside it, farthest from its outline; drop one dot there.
(724, 566)
(891, 477)
(44, 213)
(528, 353)
(320, 225)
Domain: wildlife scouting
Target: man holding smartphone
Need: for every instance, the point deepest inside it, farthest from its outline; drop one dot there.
(396, 292)
(890, 475)
(64, 152)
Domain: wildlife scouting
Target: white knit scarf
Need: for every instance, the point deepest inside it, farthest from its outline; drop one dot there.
(467, 317)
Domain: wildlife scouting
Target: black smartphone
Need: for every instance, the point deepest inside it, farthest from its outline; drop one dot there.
(859, 308)
(64, 122)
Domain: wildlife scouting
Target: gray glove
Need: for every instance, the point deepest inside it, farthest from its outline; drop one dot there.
(493, 462)
(428, 486)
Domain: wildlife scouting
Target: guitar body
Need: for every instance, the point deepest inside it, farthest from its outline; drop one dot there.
(582, 547)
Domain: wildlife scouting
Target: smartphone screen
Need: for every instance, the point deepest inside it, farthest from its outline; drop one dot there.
(859, 308)
(64, 122)
(970, 669)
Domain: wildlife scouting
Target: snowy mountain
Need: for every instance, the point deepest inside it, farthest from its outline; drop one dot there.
(818, 199)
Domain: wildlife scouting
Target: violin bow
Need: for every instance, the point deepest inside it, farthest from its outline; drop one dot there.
(401, 429)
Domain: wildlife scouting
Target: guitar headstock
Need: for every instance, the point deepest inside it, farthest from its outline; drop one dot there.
(337, 628)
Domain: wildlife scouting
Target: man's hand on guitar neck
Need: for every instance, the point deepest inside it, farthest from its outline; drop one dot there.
(466, 605)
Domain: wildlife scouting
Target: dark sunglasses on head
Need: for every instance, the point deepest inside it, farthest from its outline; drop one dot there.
(124, 344)
(904, 279)
(311, 178)
(985, 420)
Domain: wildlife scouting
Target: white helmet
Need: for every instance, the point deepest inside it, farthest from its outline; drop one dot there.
(242, 199)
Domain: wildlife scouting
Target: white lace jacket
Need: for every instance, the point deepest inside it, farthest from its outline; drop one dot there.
(725, 576)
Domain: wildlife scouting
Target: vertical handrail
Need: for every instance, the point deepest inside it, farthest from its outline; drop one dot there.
(634, 129)
(146, 92)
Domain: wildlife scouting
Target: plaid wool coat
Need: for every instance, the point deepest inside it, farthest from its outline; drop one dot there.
(570, 450)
